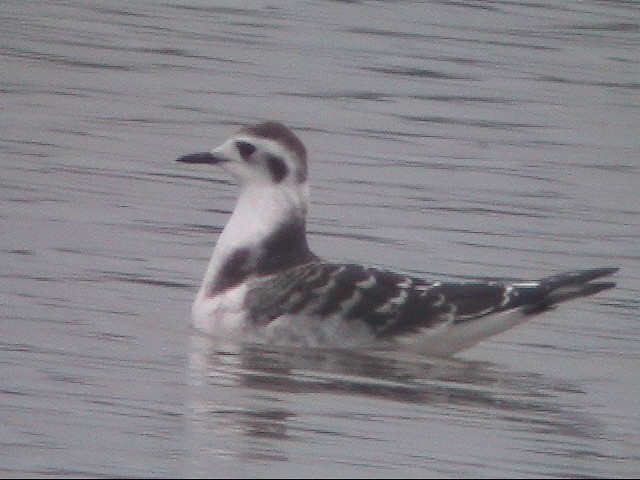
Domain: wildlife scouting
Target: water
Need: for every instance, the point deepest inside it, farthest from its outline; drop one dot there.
(447, 139)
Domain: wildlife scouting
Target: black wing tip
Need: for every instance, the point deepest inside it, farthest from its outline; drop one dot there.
(600, 272)
(579, 276)
(592, 288)
(560, 288)
(570, 285)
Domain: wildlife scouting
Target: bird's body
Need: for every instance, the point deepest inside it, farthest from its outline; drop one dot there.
(263, 281)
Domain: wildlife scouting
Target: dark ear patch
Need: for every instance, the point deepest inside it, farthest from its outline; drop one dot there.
(245, 149)
(277, 168)
(278, 132)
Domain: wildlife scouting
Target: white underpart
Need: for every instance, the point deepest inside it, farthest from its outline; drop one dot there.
(222, 316)
(450, 337)
(261, 207)
(332, 331)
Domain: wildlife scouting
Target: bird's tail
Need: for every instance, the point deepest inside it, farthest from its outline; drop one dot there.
(569, 285)
(524, 300)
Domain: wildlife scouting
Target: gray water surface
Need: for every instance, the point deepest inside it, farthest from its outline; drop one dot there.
(446, 139)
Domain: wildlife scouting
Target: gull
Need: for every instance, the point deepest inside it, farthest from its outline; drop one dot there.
(263, 281)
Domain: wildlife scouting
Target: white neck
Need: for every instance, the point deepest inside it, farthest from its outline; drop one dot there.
(260, 211)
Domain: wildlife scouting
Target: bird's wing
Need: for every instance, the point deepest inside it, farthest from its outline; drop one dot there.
(389, 303)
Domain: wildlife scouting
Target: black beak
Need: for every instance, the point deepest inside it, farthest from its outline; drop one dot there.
(203, 157)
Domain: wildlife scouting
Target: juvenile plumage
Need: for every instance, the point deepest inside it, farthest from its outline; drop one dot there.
(264, 280)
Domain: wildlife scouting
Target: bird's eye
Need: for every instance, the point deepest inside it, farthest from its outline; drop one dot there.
(245, 149)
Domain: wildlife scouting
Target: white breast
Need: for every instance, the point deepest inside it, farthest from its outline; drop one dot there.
(223, 314)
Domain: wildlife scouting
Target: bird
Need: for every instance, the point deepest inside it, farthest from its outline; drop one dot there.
(264, 283)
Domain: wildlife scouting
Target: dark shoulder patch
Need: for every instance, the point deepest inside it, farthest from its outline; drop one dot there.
(284, 248)
(234, 271)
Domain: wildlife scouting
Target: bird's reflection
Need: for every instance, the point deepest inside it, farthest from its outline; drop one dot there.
(249, 388)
